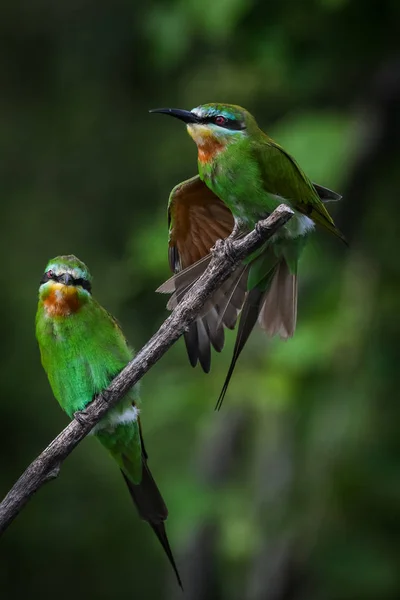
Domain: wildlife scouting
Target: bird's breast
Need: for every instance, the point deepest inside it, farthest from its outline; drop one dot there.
(62, 300)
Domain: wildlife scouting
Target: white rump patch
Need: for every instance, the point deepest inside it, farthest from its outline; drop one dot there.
(305, 224)
(129, 415)
(109, 422)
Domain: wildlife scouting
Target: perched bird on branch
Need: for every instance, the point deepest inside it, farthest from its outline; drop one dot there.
(82, 349)
(243, 175)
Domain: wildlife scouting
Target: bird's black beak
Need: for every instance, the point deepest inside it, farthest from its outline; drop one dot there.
(67, 279)
(184, 115)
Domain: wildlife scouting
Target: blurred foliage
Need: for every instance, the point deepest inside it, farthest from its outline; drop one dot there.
(293, 489)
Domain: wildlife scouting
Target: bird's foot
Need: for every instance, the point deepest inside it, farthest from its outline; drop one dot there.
(259, 229)
(239, 229)
(218, 248)
(259, 226)
(81, 416)
(223, 249)
(107, 395)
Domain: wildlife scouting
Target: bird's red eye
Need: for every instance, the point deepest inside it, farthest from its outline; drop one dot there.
(50, 274)
(220, 120)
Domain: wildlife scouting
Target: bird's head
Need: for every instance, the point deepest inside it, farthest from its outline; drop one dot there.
(65, 285)
(214, 125)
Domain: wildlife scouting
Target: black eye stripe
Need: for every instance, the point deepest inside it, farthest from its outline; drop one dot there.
(84, 283)
(229, 123)
(46, 277)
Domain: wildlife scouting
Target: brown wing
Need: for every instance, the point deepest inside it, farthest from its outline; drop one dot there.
(197, 219)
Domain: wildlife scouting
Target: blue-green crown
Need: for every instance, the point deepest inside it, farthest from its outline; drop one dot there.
(238, 118)
(69, 264)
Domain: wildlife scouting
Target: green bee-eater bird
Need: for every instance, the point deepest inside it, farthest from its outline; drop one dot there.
(82, 349)
(243, 176)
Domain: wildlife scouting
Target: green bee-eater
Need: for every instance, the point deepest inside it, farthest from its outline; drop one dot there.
(82, 349)
(243, 176)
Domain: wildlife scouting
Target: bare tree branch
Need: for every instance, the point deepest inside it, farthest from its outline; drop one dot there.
(226, 257)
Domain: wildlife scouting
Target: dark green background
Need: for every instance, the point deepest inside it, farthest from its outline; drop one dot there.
(292, 491)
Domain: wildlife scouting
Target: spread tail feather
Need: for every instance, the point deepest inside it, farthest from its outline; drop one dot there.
(198, 344)
(151, 508)
(275, 308)
(278, 313)
(220, 311)
(248, 319)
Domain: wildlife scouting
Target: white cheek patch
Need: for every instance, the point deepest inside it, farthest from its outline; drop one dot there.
(199, 133)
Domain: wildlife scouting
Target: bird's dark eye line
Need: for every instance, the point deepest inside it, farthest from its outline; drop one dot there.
(83, 283)
(51, 276)
(224, 122)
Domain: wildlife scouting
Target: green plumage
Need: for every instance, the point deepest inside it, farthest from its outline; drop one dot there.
(81, 352)
(82, 349)
(251, 174)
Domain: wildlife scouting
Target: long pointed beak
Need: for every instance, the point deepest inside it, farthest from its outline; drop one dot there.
(183, 115)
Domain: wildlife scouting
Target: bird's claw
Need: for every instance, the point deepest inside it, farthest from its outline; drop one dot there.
(81, 416)
(218, 247)
(229, 250)
(107, 395)
(259, 228)
(237, 230)
(223, 249)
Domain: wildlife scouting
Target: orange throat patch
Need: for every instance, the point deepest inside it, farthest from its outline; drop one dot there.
(208, 148)
(207, 144)
(62, 300)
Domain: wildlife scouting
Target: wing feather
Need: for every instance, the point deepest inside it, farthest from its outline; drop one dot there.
(198, 218)
(283, 177)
